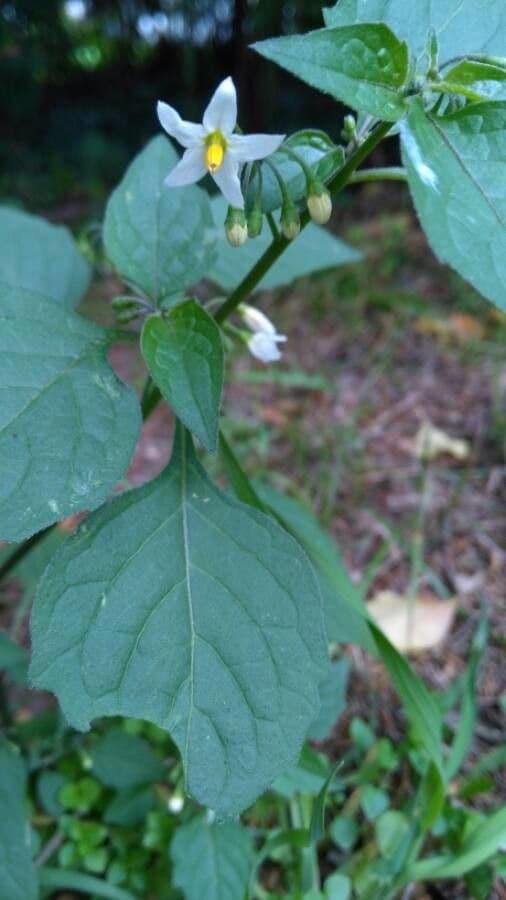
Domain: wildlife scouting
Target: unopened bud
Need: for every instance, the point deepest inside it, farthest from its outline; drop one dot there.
(120, 304)
(236, 228)
(126, 315)
(290, 221)
(319, 203)
(349, 127)
(255, 222)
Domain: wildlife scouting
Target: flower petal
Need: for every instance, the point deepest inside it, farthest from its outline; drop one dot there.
(264, 346)
(248, 147)
(191, 167)
(227, 179)
(221, 112)
(256, 319)
(188, 134)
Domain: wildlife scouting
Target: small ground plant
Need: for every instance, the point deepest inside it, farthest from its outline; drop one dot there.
(199, 627)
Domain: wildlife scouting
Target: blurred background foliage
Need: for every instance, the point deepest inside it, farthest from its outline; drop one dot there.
(80, 80)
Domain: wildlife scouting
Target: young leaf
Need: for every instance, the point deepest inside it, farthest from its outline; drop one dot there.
(364, 66)
(179, 605)
(159, 238)
(68, 426)
(314, 250)
(462, 26)
(487, 80)
(40, 259)
(18, 876)
(317, 824)
(456, 167)
(122, 760)
(212, 860)
(184, 354)
(483, 842)
(332, 699)
(345, 614)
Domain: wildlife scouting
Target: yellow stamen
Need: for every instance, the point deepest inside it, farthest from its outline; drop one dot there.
(215, 152)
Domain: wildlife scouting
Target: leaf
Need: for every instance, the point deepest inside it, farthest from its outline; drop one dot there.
(373, 801)
(19, 880)
(13, 659)
(419, 704)
(337, 887)
(345, 613)
(184, 354)
(122, 760)
(315, 249)
(364, 66)
(61, 879)
(487, 80)
(483, 842)
(462, 26)
(212, 860)
(392, 830)
(40, 259)
(68, 425)
(129, 807)
(307, 777)
(464, 733)
(181, 606)
(412, 624)
(159, 238)
(332, 700)
(344, 832)
(317, 824)
(456, 167)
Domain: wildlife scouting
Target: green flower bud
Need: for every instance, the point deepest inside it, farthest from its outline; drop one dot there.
(124, 303)
(319, 203)
(236, 228)
(126, 315)
(349, 127)
(255, 222)
(290, 221)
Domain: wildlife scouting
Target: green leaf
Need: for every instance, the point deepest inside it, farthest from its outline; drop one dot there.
(314, 250)
(392, 831)
(181, 606)
(122, 760)
(18, 877)
(159, 238)
(345, 613)
(49, 785)
(13, 659)
(307, 777)
(40, 259)
(364, 66)
(68, 425)
(317, 824)
(487, 80)
(419, 704)
(212, 860)
(129, 807)
(184, 354)
(332, 700)
(337, 887)
(456, 167)
(467, 720)
(61, 879)
(483, 842)
(373, 801)
(344, 832)
(462, 26)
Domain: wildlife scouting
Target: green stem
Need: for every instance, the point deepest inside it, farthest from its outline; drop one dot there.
(338, 181)
(20, 552)
(308, 173)
(386, 173)
(444, 87)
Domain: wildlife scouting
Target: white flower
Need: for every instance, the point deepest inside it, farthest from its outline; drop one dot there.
(264, 342)
(213, 147)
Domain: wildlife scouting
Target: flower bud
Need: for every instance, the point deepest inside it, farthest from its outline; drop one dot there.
(255, 222)
(349, 128)
(290, 221)
(319, 203)
(236, 228)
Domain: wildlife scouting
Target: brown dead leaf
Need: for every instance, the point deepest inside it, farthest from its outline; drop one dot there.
(457, 329)
(412, 624)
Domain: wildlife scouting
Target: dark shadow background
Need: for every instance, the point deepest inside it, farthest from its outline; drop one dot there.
(80, 80)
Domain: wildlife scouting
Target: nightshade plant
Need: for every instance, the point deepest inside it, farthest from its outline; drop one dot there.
(176, 603)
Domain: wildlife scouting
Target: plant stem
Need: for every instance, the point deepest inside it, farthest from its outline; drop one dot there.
(444, 87)
(21, 550)
(387, 173)
(279, 245)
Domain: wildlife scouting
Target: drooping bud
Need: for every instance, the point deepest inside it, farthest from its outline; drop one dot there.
(290, 220)
(319, 203)
(255, 222)
(236, 228)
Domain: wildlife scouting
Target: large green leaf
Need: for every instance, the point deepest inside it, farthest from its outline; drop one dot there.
(315, 249)
(345, 613)
(184, 354)
(456, 168)
(182, 606)
(68, 426)
(364, 66)
(18, 879)
(159, 238)
(212, 860)
(461, 26)
(40, 258)
(332, 699)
